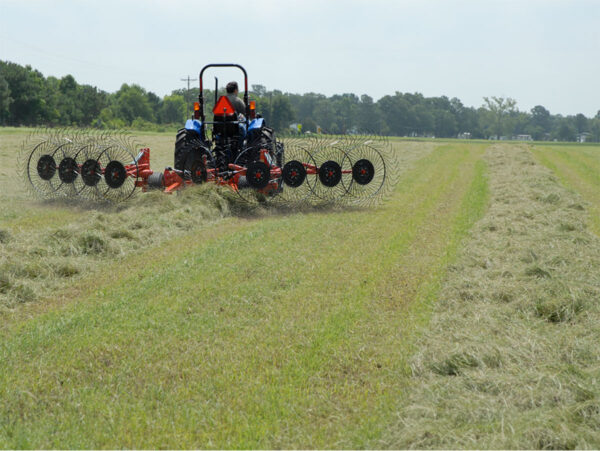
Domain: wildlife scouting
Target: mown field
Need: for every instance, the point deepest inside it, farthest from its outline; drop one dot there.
(459, 313)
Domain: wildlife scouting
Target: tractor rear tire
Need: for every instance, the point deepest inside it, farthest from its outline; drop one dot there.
(185, 143)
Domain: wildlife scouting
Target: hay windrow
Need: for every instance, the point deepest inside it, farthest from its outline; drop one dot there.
(511, 356)
(74, 238)
(35, 263)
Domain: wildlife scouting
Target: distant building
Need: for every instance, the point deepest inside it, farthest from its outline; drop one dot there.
(583, 137)
(523, 138)
(296, 127)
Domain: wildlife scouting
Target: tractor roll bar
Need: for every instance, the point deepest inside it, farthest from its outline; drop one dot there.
(201, 95)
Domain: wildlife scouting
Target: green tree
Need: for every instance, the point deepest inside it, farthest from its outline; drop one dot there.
(500, 110)
(26, 87)
(90, 101)
(595, 129)
(540, 123)
(445, 124)
(395, 111)
(259, 90)
(173, 110)
(5, 100)
(368, 118)
(131, 102)
(581, 123)
(566, 131)
(282, 112)
(68, 108)
(324, 115)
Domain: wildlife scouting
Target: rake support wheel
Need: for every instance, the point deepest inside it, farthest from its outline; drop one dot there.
(46, 167)
(258, 175)
(330, 173)
(115, 174)
(363, 172)
(67, 170)
(294, 174)
(91, 172)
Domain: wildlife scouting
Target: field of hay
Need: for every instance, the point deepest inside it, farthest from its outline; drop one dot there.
(462, 312)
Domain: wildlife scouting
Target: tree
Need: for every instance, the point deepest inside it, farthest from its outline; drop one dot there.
(5, 100)
(131, 103)
(259, 90)
(282, 112)
(566, 131)
(67, 85)
(26, 86)
(69, 111)
(594, 130)
(540, 123)
(368, 119)
(173, 110)
(91, 101)
(345, 108)
(499, 109)
(581, 123)
(445, 124)
(395, 113)
(324, 115)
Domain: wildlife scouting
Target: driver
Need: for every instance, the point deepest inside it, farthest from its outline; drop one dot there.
(232, 95)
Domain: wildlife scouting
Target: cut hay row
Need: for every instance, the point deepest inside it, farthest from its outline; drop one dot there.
(511, 357)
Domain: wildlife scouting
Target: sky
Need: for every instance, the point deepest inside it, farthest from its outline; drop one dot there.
(539, 52)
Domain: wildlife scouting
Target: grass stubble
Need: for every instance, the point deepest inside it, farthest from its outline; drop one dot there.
(510, 358)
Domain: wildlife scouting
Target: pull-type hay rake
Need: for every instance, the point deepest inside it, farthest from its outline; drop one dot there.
(242, 153)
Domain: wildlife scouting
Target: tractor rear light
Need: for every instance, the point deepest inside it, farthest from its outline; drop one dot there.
(252, 109)
(196, 110)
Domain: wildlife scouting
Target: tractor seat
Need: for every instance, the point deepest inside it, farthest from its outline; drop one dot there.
(224, 118)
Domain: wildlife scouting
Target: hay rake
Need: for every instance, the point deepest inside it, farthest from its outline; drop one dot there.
(350, 169)
(235, 149)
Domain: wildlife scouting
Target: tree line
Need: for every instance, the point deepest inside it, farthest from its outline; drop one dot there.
(29, 98)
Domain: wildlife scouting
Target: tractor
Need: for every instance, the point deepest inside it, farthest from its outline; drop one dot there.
(233, 149)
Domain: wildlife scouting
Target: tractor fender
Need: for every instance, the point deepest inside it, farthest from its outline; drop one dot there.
(256, 124)
(194, 125)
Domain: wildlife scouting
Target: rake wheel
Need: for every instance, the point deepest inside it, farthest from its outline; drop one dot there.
(115, 174)
(258, 175)
(91, 172)
(46, 167)
(330, 173)
(363, 172)
(293, 174)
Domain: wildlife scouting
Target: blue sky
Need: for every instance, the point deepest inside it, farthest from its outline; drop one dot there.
(536, 51)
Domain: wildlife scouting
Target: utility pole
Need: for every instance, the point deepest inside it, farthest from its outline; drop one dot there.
(187, 93)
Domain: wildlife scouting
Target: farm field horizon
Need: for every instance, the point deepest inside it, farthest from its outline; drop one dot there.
(461, 312)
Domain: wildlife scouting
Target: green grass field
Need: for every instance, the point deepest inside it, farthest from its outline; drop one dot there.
(186, 321)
